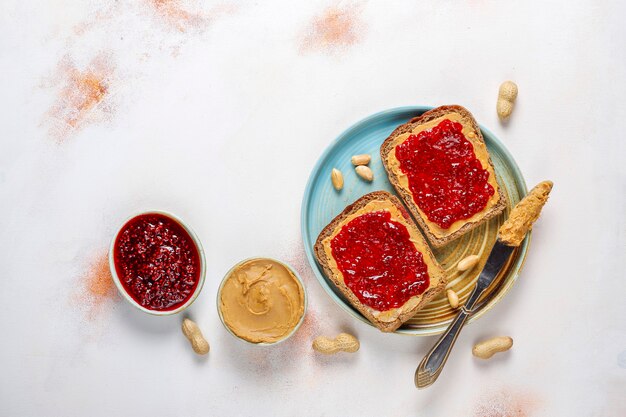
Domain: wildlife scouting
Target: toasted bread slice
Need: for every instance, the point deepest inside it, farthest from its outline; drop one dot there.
(437, 235)
(387, 320)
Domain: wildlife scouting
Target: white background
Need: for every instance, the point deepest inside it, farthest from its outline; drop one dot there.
(222, 123)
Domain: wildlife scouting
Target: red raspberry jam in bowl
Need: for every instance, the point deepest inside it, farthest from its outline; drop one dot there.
(157, 263)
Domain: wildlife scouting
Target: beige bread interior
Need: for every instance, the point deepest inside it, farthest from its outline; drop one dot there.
(388, 320)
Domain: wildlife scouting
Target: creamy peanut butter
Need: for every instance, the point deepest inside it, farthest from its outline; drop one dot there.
(480, 150)
(261, 301)
(524, 214)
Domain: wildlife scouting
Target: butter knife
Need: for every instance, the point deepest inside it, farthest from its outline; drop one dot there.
(510, 235)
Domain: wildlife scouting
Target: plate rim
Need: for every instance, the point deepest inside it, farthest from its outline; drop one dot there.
(523, 248)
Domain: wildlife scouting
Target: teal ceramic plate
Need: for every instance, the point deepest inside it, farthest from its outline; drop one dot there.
(322, 203)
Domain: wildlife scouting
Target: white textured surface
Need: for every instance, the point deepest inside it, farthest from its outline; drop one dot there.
(222, 126)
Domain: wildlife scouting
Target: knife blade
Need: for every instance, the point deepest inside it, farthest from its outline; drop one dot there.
(510, 235)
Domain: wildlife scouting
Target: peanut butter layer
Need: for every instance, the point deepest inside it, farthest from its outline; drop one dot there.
(261, 301)
(524, 214)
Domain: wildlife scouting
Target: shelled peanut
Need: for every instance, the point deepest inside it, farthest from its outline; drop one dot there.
(362, 159)
(336, 177)
(365, 172)
(360, 163)
(453, 298)
(467, 263)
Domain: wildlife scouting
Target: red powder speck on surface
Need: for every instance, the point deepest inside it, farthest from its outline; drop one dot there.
(96, 289)
(175, 14)
(307, 331)
(187, 15)
(82, 96)
(266, 359)
(334, 30)
(506, 403)
(99, 17)
(296, 258)
(314, 323)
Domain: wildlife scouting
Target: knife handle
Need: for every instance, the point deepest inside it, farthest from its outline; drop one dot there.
(432, 364)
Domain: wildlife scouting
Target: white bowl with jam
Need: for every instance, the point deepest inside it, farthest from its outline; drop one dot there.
(261, 301)
(157, 263)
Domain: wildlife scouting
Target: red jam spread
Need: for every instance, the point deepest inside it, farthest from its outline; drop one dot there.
(378, 261)
(157, 261)
(446, 179)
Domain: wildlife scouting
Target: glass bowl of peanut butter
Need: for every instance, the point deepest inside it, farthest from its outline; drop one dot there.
(262, 301)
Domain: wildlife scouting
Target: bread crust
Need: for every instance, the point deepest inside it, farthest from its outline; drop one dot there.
(404, 314)
(406, 194)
